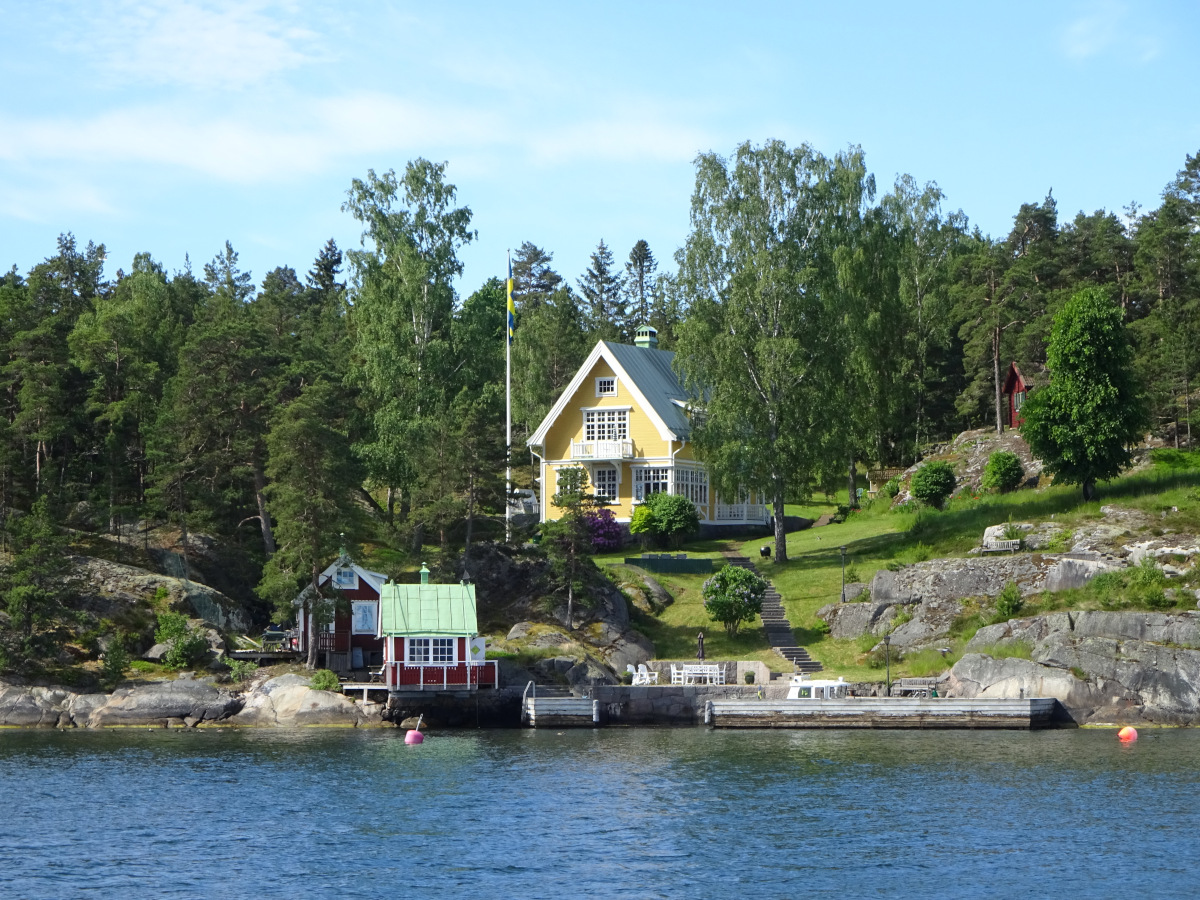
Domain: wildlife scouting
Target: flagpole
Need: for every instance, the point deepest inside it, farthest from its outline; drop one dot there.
(508, 335)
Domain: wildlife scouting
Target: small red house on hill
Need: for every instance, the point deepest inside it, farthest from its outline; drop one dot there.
(1016, 392)
(351, 641)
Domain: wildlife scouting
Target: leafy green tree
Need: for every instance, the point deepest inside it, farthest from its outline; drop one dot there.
(733, 596)
(186, 646)
(933, 483)
(567, 540)
(760, 348)
(602, 287)
(1082, 424)
(311, 496)
(36, 585)
(412, 233)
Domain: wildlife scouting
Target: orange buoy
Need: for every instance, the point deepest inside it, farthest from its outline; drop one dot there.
(1127, 735)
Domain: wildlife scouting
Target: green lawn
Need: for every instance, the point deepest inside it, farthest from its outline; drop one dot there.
(876, 537)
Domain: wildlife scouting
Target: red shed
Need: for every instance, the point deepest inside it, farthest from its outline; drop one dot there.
(351, 641)
(1016, 391)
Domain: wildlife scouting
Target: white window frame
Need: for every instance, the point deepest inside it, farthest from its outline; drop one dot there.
(613, 482)
(692, 483)
(410, 654)
(345, 579)
(601, 380)
(606, 423)
(644, 475)
(444, 651)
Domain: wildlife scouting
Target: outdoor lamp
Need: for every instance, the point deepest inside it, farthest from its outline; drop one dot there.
(887, 657)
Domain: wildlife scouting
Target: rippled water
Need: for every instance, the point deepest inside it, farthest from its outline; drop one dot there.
(606, 813)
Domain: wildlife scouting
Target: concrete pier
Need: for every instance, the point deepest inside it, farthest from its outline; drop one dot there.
(881, 712)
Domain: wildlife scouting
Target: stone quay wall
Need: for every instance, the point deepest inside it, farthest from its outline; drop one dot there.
(672, 704)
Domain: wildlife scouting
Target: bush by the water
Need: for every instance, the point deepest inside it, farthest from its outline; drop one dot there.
(1003, 472)
(186, 646)
(933, 483)
(324, 680)
(116, 661)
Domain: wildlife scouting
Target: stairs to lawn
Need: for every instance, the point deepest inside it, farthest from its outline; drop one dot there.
(779, 629)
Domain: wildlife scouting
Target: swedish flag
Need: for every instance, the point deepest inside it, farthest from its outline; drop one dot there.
(512, 310)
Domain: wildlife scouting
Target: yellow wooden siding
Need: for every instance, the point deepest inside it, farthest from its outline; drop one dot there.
(568, 427)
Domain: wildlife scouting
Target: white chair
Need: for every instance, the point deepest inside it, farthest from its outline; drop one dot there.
(676, 674)
(646, 675)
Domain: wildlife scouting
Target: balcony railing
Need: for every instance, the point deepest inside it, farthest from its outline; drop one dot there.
(619, 449)
(741, 512)
(455, 676)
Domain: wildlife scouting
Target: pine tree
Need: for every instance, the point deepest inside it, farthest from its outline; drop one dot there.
(36, 585)
(639, 288)
(601, 288)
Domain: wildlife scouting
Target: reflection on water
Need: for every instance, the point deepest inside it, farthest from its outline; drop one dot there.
(611, 813)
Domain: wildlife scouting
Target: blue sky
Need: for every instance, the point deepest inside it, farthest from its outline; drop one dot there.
(170, 127)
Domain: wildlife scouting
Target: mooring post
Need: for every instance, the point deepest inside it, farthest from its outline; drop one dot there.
(595, 712)
(707, 712)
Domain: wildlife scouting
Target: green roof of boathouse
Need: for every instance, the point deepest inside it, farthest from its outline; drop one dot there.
(408, 609)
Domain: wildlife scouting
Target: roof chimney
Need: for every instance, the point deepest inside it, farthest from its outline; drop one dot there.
(646, 337)
(424, 574)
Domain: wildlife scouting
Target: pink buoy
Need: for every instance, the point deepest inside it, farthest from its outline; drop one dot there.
(1127, 735)
(414, 737)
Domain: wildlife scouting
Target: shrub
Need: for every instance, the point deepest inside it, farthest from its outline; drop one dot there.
(1010, 601)
(1003, 472)
(933, 483)
(1147, 574)
(116, 660)
(185, 645)
(241, 669)
(1156, 598)
(733, 596)
(603, 527)
(667, 517)
(1013, 532)
(892, 488)
(324, 680)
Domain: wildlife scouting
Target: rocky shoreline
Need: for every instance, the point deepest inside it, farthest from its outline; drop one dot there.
(187, 702)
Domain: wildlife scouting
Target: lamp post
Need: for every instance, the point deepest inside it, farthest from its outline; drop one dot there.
(843, 549)
(887, 656)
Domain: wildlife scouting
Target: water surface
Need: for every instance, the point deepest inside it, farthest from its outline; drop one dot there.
(604, 813)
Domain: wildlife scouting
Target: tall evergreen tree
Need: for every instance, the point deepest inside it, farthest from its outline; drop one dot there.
(639, 288)
(601, 288)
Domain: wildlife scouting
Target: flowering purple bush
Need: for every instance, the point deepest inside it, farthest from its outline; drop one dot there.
(603, 527)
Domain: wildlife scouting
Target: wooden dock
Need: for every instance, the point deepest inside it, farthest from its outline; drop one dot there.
(880, 712)
(560, 712)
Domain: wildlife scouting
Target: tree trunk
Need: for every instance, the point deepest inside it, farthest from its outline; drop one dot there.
(996, 377)
(852, 484)
(1089, 489)
(780, 535)
(311, 663)
(391, 507)
(470, 525)
(264, 517)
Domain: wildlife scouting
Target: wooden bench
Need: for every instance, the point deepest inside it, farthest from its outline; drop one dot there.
(1001, 546)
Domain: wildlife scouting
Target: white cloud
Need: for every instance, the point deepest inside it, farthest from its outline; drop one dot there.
(206, 44)
(45, 204)
(1105, 28)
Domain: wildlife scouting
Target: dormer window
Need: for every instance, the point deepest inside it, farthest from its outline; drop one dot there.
(345, 578)
(606, 386)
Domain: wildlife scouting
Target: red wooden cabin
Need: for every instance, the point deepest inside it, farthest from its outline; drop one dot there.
(1016, 391)
(351, 641)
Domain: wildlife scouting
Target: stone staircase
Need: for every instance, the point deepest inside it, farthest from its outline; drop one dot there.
(775, 621)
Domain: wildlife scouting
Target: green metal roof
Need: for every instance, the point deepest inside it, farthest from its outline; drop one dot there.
(651, 371)
(408, 609)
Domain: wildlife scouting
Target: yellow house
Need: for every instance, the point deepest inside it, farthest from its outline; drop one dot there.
(624, 418)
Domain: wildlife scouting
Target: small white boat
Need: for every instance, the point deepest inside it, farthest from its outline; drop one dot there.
(802, 687)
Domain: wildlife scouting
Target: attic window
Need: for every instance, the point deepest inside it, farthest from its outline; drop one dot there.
(606, 387)
(344, 578)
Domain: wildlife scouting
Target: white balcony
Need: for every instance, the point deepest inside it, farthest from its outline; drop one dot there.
(741, 512)
(621, 449)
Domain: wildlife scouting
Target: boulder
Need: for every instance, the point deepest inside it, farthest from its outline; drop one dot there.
(288, 701)
(849, 620)
(36, 707)
(977, 675)
(519, 631)
(154, 704)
